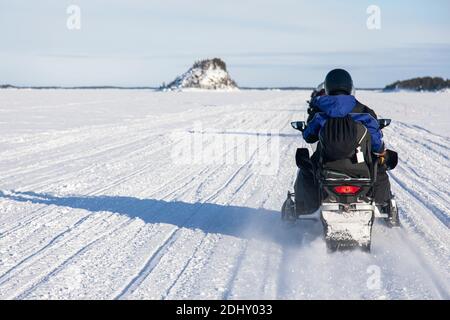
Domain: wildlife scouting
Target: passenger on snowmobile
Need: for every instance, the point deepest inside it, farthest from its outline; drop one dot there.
(336, 100)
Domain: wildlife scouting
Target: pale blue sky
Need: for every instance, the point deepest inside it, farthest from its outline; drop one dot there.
(265, 43)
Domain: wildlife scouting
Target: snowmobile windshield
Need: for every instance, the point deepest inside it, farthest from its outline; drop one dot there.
(321, 86)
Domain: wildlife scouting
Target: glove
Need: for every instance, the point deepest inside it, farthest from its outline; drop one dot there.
(381, 157)
(316, 93)
(313, 102)
(312, 110)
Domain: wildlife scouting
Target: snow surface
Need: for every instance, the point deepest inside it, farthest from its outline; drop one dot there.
(93, 203)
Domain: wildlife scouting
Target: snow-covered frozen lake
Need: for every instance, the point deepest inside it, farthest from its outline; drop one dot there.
(96, 201)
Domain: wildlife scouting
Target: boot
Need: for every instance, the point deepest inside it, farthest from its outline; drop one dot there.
(393, 219)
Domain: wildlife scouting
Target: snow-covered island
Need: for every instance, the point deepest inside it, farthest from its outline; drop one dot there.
(209, 74)
(420, 84)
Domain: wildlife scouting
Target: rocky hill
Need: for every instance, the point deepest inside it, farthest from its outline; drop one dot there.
(208, 74)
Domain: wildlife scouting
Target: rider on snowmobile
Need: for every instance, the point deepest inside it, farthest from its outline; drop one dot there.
(336, 100)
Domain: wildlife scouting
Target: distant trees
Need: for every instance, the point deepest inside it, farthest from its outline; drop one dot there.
(420, 84)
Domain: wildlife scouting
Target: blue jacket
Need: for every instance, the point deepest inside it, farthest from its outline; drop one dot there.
(338, 107)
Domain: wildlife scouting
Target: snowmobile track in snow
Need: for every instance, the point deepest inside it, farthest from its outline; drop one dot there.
(102, 211)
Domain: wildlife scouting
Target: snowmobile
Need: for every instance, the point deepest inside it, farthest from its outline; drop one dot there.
(346, 202)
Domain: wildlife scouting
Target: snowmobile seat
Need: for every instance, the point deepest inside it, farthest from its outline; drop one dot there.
(346, 167)
(335, 175)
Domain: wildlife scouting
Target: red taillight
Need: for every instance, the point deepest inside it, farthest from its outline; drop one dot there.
(346, 189)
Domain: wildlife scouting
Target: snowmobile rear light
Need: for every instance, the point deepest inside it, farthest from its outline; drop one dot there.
(346, 189)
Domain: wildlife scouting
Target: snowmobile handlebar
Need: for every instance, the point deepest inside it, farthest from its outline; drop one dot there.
(301, 125)
(383, 123)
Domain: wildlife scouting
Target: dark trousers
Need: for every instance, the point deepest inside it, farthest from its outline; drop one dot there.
(306, 187)
(382, 187)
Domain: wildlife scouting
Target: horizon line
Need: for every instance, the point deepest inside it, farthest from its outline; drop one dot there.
(10, 86)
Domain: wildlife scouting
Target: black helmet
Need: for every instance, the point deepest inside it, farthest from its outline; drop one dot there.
(338, 81)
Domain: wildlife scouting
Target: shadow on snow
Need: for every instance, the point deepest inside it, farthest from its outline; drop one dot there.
(241, 222)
